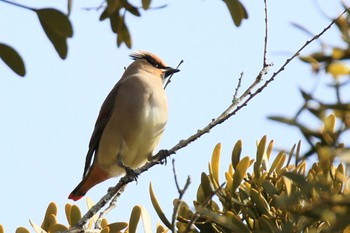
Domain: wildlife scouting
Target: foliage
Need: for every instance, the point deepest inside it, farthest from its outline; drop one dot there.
(50, 223)
(282, 197)
(332, 60)
(58, 27)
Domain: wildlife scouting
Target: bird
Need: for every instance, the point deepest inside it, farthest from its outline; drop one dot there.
(130, 123)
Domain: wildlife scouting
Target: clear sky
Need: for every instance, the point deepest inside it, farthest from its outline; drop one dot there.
(46, 118)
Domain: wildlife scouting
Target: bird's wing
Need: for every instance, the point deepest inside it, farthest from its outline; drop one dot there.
(101, 122)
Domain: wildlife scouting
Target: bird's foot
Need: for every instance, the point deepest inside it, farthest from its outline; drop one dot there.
(163, 155)
(132, 173)
(129, 171)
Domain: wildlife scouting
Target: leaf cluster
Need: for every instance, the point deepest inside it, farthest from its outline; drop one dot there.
(50, 223)
(258, 197)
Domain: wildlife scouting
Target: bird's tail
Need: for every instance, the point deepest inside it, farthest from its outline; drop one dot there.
(95, 176)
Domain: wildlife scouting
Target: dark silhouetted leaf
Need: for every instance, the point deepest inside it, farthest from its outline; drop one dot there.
(116, 22)
(56, 21)
(133, 10)
(237, 11)
(104, 15)
(12, 59)
(57, 28)
(124, 35)
(112, 6)
(146, 4)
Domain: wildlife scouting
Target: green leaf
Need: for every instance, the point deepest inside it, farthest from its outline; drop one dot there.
(157, 207)
(146, 4)
(12, 59)
(56, 21)
(236, 153)
(237, 11)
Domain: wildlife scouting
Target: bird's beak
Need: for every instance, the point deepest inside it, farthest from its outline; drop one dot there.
(169, 71)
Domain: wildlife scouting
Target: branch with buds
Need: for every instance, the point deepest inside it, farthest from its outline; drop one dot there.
(237, 104)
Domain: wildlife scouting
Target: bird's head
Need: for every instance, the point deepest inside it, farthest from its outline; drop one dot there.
(151, 63)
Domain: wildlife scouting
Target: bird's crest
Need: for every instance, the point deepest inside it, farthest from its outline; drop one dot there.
(150, 57)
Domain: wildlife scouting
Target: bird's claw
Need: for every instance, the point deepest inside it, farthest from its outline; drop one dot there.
(164, 154)
(132, 173)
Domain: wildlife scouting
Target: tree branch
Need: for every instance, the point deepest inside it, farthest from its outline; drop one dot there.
(247, 96)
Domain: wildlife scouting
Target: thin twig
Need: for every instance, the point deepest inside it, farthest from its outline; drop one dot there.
(237, 88)
(111, 206)
(266, 34)
(204, 205)
(169, 79)
(19, 5)
(230, 111)
(181, 193)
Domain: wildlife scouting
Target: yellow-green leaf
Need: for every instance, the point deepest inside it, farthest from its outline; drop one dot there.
(205, 184)
(134, 219)
(59, 228)
(278, 162)
(12, 59)
(260, 202)
(117, 226)
(51, 210)
(67, 209)
(22, 230)
(215, 163)
(75, 215)
(105, 230)
(36, 228)
(240, 172)
(329, 124)
(337, 69)
(259, 155)
(236, 153)
(146, 220)
(237, 11)
(157, 207)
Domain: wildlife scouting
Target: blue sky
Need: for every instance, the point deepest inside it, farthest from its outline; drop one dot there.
(46, 118)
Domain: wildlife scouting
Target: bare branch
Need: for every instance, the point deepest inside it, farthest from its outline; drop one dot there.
(181, 193)
(266, 33)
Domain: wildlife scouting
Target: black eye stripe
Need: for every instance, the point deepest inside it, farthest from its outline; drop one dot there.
(154, 62)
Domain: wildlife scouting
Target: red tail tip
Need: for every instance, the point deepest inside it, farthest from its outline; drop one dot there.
(74, 197)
